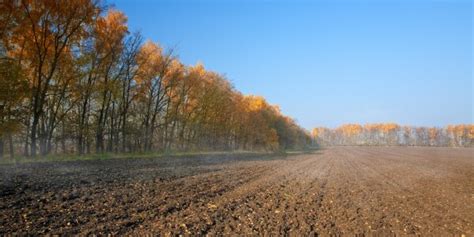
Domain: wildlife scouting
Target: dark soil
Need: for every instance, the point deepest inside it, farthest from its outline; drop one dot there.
(336, 191)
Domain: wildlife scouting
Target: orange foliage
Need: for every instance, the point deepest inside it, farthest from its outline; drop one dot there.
(110, 30)
(255, 103)
(471, 131)
(458, 130)
(350, 129)
(433, 133)
(393, 134)
(382, 127)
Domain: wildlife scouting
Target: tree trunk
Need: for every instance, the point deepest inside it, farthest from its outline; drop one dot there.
(124, 132)
(63, 139)
(10, 141)
(1, 147)
(34, 127)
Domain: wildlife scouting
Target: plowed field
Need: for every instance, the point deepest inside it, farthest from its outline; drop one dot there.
(341, 191)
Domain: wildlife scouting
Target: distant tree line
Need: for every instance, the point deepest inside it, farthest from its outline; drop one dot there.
(395, 135)
(73, 79)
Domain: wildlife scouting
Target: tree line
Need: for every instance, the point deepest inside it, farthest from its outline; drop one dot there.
(461, 135)
(75, 80)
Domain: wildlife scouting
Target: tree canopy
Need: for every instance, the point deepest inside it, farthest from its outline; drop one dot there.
(85, 84)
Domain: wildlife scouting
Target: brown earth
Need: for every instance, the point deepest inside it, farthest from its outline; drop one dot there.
(335, 191)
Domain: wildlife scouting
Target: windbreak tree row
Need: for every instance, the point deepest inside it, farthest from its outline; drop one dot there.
(75, 80)
(393, 134)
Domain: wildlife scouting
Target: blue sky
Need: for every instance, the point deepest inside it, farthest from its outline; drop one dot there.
(328, 62)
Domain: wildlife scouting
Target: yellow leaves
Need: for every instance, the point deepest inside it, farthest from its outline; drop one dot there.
(255, 103)
(117, 20)
(461, 134)
(384, 127)
(471, 131)
(114, 23)
(110, 31)
(175, 69)
(150, 51)
(258, 103)
(197, 71)
(371, 127)
(150, 63)
(461, 130)
(433, 133)
(55, 25)
(390, 127)
(350, 129)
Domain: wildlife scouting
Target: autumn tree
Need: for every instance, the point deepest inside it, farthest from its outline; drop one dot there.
(83, 83)
(348, 133)
(153, 67)
(407, 136)
(40, 39)
(460, 135)
(393, 134)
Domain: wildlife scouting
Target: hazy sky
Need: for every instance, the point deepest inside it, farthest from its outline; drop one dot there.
(328, 62)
